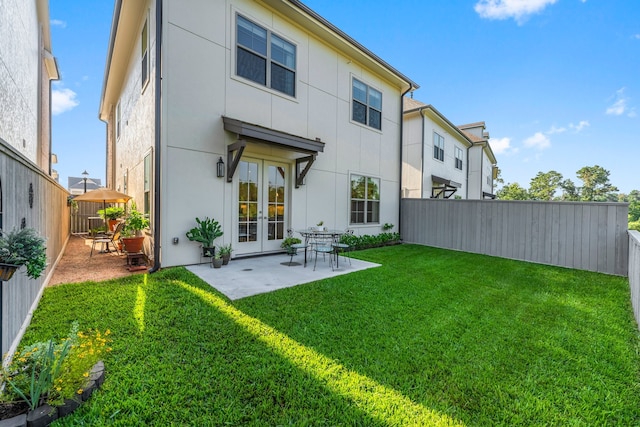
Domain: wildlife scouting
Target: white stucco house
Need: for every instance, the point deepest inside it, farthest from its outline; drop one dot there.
(303, 123)
(442, 160)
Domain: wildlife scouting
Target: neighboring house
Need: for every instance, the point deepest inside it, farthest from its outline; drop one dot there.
(303, 123)
(76, 185)
(483, 168)
(442, 160)
(29, 196)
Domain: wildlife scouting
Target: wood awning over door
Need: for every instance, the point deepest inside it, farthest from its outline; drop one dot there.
(248, 131)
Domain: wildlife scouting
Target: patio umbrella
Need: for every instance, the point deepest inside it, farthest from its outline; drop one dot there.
(104, 195)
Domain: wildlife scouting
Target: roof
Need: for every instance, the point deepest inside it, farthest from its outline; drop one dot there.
(410, 105)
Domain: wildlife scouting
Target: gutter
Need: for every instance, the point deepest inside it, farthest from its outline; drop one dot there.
(412, 86)
(158, 140)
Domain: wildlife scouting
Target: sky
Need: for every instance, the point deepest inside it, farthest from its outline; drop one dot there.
(557, 82)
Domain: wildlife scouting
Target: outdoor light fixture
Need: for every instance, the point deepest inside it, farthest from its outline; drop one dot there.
(220, 168)
(85, 174)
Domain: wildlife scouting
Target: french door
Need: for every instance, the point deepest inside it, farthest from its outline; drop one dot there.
(262, 205)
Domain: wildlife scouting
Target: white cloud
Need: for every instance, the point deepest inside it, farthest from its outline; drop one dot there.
(636, 36)
(620, 105)
(500, 145)
(62, 100)
(581, 125)
(519, 10)
(539, 141)
(58, 23)
(556, 130)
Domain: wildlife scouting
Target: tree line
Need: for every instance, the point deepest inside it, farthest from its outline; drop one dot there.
(596, 187)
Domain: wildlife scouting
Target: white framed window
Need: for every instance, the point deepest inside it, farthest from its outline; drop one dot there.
(438, 146)
(367, 105)
(364, 205)
(458, 159)
(144, 54)
(264, 57)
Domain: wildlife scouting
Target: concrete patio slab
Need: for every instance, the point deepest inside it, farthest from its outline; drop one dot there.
(244, 277)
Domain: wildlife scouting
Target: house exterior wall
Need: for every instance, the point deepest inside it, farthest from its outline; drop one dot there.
(200, 86)
(480, 172)
(19, 58)
(419, 162)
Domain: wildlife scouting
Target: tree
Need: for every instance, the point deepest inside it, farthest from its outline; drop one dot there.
(569, 191)
(596, 185)
(512, 191)
(634, 205)
(544, 185)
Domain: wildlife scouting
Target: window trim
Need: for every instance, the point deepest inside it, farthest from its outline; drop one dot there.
(269, 61)
(438, 151)
(368, 105)
(460, 159)
(147, 185)
(118, 120)
(365, 200)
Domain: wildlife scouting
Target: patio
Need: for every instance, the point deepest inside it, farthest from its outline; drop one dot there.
(242, 277)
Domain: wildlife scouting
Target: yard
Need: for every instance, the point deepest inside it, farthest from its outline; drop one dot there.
(433, 337)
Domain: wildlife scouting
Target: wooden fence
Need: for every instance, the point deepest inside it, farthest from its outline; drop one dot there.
(85, 217)
(585, 236)
(30, 198)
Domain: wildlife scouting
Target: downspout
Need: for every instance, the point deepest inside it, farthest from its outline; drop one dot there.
(466, 187)
(158, 129)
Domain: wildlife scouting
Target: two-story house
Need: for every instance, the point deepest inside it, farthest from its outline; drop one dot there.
(261, 114)
(442, 160)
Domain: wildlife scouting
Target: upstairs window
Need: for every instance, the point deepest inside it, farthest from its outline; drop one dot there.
(458, 160)
(144, 45)
(367, 105)
(265, 58)
(438, 147)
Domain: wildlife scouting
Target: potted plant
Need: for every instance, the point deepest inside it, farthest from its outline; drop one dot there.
(205, 233)
(225, 253)
(111, 214)
(133, 239)
(320, 226)
(287, 245)
(22, 247)
(216, 261)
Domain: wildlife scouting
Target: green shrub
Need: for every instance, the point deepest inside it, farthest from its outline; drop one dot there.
(634, 225)
(370, 241)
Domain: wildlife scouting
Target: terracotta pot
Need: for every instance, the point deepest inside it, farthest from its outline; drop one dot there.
(6, 271)
(112, 224)
(133, 244)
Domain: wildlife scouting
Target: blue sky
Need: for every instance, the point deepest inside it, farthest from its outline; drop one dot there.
(556, 81)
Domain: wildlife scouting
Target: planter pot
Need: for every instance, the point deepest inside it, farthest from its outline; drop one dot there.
(112, 224)
(216, 262)
(133, 244)
(6, 271)
(208, 252)
(225, 259)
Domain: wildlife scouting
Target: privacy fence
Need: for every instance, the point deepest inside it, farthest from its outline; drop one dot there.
(585, 236)
(29, 198)
(84, 217)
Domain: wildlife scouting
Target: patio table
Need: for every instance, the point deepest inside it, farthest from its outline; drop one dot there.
(310, 233)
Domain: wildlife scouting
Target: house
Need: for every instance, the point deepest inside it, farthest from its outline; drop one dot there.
(442, 160)
(27, 189)
(261, 114)
(76, 185)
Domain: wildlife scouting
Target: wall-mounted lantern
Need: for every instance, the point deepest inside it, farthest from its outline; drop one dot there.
(220, 168)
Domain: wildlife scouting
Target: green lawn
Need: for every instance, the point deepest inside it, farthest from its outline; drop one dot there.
(433, 337)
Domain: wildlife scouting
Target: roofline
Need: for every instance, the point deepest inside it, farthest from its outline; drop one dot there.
(442, 117)
(112, 40)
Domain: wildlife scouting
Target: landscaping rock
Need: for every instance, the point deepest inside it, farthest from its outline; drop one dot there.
(17, 421)
(97, 373)
(69, 406)
(88, 390)
(42, 416)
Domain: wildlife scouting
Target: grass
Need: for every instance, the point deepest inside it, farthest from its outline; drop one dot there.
(432, 337)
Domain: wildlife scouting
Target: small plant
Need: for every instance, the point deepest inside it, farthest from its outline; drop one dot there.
(135, 223)
(24, 247)
(387, 227)
(286, 243)
(52, 372)
(225, 250)
(206, 232)
(320, 223)
(113, 212)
